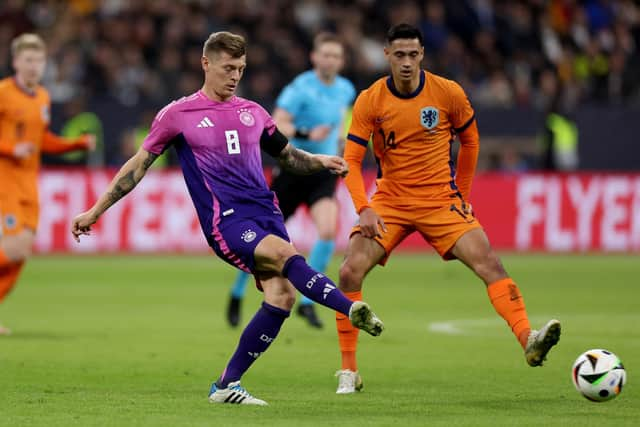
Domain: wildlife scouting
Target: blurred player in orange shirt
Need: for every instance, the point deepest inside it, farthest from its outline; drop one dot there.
(413, 117)
(24, 134)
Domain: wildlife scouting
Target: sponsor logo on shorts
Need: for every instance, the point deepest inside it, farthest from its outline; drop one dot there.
(246, 118)
(255, 354)
(249, 236)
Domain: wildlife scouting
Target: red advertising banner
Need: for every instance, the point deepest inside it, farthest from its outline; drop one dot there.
(539, 212)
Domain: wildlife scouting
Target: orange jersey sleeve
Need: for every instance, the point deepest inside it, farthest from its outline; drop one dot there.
(6, 140)
(467, 159)
(361, 120)
(461, 115)
(54, 144)
(353, 154)
(464, 124)
(355, 150)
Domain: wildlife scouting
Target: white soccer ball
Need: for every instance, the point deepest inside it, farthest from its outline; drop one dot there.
(598, 375)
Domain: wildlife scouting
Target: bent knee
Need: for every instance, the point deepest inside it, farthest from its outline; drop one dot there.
(281, 254)
(289, 300)
(351, 276)
(490, 268)
(284, 300)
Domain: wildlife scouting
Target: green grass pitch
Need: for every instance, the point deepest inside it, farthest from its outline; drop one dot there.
(136, 341)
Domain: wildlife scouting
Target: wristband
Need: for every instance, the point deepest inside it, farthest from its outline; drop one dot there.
(301, 134)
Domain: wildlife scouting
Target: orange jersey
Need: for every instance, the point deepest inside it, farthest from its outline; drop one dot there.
(24, 117)
(412, 139)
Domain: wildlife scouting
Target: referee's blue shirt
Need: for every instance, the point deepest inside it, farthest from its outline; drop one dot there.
(312, 102)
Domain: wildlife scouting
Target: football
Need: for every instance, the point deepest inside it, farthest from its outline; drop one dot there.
(598, 375)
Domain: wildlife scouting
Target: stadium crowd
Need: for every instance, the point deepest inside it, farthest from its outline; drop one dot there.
(505, 54)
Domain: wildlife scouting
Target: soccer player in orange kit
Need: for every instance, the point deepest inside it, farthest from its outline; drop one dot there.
(413, 116)
(24, 134)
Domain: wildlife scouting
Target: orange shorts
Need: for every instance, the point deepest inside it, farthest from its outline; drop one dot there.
(17, 214)
(440, 224)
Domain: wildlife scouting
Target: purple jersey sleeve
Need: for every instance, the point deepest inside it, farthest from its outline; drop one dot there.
(163, 130)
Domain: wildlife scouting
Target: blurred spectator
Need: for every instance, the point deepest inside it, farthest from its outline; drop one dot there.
(559, 141)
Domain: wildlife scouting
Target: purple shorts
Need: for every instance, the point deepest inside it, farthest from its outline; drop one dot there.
(235, 241)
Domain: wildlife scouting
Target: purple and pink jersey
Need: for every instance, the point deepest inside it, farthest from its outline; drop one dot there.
(219, 147)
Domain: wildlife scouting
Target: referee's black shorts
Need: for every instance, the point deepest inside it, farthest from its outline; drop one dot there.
(294, 190)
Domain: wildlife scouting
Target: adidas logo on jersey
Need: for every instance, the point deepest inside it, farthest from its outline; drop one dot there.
(206, 123)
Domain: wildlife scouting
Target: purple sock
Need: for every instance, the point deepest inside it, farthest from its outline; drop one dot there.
(316, 286)
(254, 341)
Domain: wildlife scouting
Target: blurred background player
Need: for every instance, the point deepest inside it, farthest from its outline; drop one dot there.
(218, 137)
(24, 134)
(412, 116)
(310, 112)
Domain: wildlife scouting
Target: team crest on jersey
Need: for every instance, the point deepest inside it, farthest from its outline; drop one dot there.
(10, 221)
(429, 117)
(249, 236)
(246, 117)
(46, 117)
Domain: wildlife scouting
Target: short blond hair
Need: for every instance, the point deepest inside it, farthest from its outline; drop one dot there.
(27, 41)
(326, 37)
(224, 41)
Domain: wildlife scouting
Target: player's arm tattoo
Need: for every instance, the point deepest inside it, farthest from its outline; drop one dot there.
(127, 178)
(298, 161)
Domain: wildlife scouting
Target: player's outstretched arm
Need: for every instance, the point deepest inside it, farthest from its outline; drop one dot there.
(54, 144)
(303, 163)
(125, 180)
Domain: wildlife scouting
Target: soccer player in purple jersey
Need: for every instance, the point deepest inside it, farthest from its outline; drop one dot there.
(218, 137)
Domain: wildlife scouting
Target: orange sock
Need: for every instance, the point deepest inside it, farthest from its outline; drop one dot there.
(8, 278)
(508, 302)
(348, 335)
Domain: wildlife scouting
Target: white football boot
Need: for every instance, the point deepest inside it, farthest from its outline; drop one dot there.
(234, 393)
(362, 317)
(540, 342)
(348, 381)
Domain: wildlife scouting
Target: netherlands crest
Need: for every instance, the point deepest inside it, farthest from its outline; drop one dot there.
(429, 117)
(9, 222)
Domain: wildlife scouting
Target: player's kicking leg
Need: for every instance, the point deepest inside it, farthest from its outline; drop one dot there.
(275, 254)
(279, 267)
(474, 250)
(361, 256)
